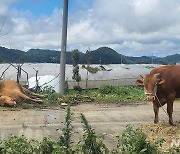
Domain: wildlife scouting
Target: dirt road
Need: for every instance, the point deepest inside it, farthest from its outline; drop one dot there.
(109, 120)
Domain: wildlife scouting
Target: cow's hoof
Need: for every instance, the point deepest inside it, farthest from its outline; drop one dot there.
(40, 101)
(15, 104)
(171, 123)
(156, 121)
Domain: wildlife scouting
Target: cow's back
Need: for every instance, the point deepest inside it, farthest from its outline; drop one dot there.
(171, 75)
(10, 85)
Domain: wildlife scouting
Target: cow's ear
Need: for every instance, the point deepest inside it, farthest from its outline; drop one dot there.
(157, 75)
(139, 82)
(161, 81)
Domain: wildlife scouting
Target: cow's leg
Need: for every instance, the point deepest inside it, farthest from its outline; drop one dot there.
(170, 101)
(23, 96)
(156, 111)
(33, 94)
(170, 112)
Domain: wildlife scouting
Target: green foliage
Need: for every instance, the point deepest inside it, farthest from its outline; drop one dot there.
(77, 88)
(134, 141)
(65, 138)
(76, 76)
(121, 93)
(109, 93)
(75, 99)
(75, 58)
(47, 90)
(46, 146)
(63, 150)
(175, 150)
(51, 95)
(92, 143)
(106, 89)
(2, 146)
(17, 145)
(66, 87)
(105, 94)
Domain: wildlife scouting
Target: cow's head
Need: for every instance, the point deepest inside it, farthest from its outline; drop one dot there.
(150, 82)
(5, 100)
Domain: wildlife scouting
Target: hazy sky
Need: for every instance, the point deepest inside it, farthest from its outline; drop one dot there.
(131, 27)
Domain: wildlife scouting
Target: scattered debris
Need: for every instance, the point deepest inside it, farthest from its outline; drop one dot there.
(104, 69)
(44, 81)
(149, 67)
(64, 104)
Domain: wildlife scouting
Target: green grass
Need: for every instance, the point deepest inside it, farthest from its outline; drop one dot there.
(111, 94)
(105, 94)
(122, 94)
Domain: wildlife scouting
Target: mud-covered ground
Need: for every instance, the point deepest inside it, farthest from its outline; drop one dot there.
(107, 119)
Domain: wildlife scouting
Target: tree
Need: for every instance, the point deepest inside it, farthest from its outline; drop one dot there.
(75, 58)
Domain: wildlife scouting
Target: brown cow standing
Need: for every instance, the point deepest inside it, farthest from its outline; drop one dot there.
(162, 86)
(12, 92)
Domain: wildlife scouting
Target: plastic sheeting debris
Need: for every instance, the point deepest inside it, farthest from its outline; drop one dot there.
(43, 81)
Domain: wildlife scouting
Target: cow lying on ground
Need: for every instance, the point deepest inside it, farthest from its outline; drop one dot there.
(162, 86)
(12, 92)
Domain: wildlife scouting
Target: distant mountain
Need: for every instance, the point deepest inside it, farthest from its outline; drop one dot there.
(102, 55)
(171, 59)
(41, 56)
(105, 55)
(12, 55)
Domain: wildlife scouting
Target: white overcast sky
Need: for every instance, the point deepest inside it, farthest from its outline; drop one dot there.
(131, 27)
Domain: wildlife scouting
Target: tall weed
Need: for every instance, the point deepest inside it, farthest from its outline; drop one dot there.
(92, 143)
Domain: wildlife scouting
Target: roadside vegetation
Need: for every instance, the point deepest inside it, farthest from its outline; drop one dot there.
(132, 141)
(105, 94)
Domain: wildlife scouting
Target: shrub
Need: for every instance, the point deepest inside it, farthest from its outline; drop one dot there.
(51, 94)
(2, 146)
(77, 88)
(17, 145)
(134, 141)
(106, 89)
(175, 150)
(46, 146)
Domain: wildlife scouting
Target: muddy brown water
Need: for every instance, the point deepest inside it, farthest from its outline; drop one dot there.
(107, 119)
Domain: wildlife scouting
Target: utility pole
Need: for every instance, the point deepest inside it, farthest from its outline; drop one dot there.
(152, 59)
(63, 48)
